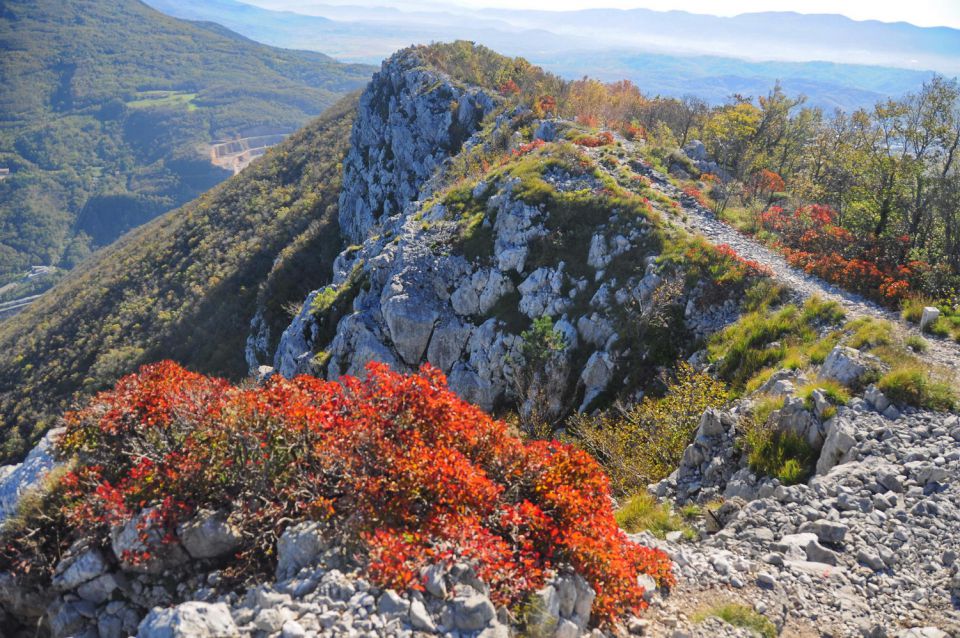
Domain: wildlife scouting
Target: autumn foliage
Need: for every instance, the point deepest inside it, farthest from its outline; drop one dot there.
(811, 239)
(697, 195)
(397, 466)
(604, 138)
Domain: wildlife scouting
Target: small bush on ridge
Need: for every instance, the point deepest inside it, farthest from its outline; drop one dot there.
(740, 616)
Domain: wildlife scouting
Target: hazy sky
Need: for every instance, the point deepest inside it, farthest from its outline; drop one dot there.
(920, 12)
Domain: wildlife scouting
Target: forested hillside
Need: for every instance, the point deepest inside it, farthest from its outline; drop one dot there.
(107, 111)
(182, 286)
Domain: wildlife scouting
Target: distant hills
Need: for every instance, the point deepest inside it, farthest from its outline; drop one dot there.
(833, 60)
(108, 109)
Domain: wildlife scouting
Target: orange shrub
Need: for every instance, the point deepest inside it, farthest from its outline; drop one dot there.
(811, 240)
(697, 195)
(593, 141)
(395, 465)
(509, 88)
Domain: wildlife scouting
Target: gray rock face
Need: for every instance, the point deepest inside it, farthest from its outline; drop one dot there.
(709, 463)
(410, 322)
(294, 353)
(404, 129)
(16, 480)
(425, 297)
(541, 292)
(299, 546)
(78, 568)
(697, 152)
(139, 536)
(516, 225)
(561, 608)
(472, 611)
(596, 376)
(847, 365)
(479, 292)
(840, 437)
(189, 620)
(208, 535)
(257, 349)
(794, 418)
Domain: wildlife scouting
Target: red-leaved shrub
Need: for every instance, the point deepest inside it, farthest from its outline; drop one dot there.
(697, 195)
(397, 466)
(810, 239)
(604, 138)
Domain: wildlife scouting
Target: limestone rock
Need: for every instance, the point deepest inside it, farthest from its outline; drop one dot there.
(473, 611)
(19, 479)
(141, 535)
(928, 317)
(542, 292)
(840, 437)
(847, 365)
(403, 131)
(447, 343)
(410, 319)
(189, 620)
(299, 546)
(596, 376)
(79, 566)
(208, 535)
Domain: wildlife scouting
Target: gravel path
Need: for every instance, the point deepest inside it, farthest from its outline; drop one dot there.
(941, 351)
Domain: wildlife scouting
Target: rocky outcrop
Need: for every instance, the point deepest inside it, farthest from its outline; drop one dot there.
(257, 348)
(17, 480)
(192, 619)
(874, 528)
(410, 119)
(849, 366)
(428, 298)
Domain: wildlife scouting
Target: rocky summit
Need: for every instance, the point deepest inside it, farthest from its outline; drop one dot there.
(555, 276)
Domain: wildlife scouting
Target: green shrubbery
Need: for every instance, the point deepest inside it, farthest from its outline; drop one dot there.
(782, 455)
(947, 325)
(183, 287)
(640, 444)
(108, 106)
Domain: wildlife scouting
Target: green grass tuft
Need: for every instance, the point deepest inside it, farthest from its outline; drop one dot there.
(941, 327)
(836, 393)
(739, 616)
(783, 455)
(642, 512)
(916, 343)
(868, 332)
(913, 385)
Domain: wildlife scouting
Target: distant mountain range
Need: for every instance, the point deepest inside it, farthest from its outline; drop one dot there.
(833, 60)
